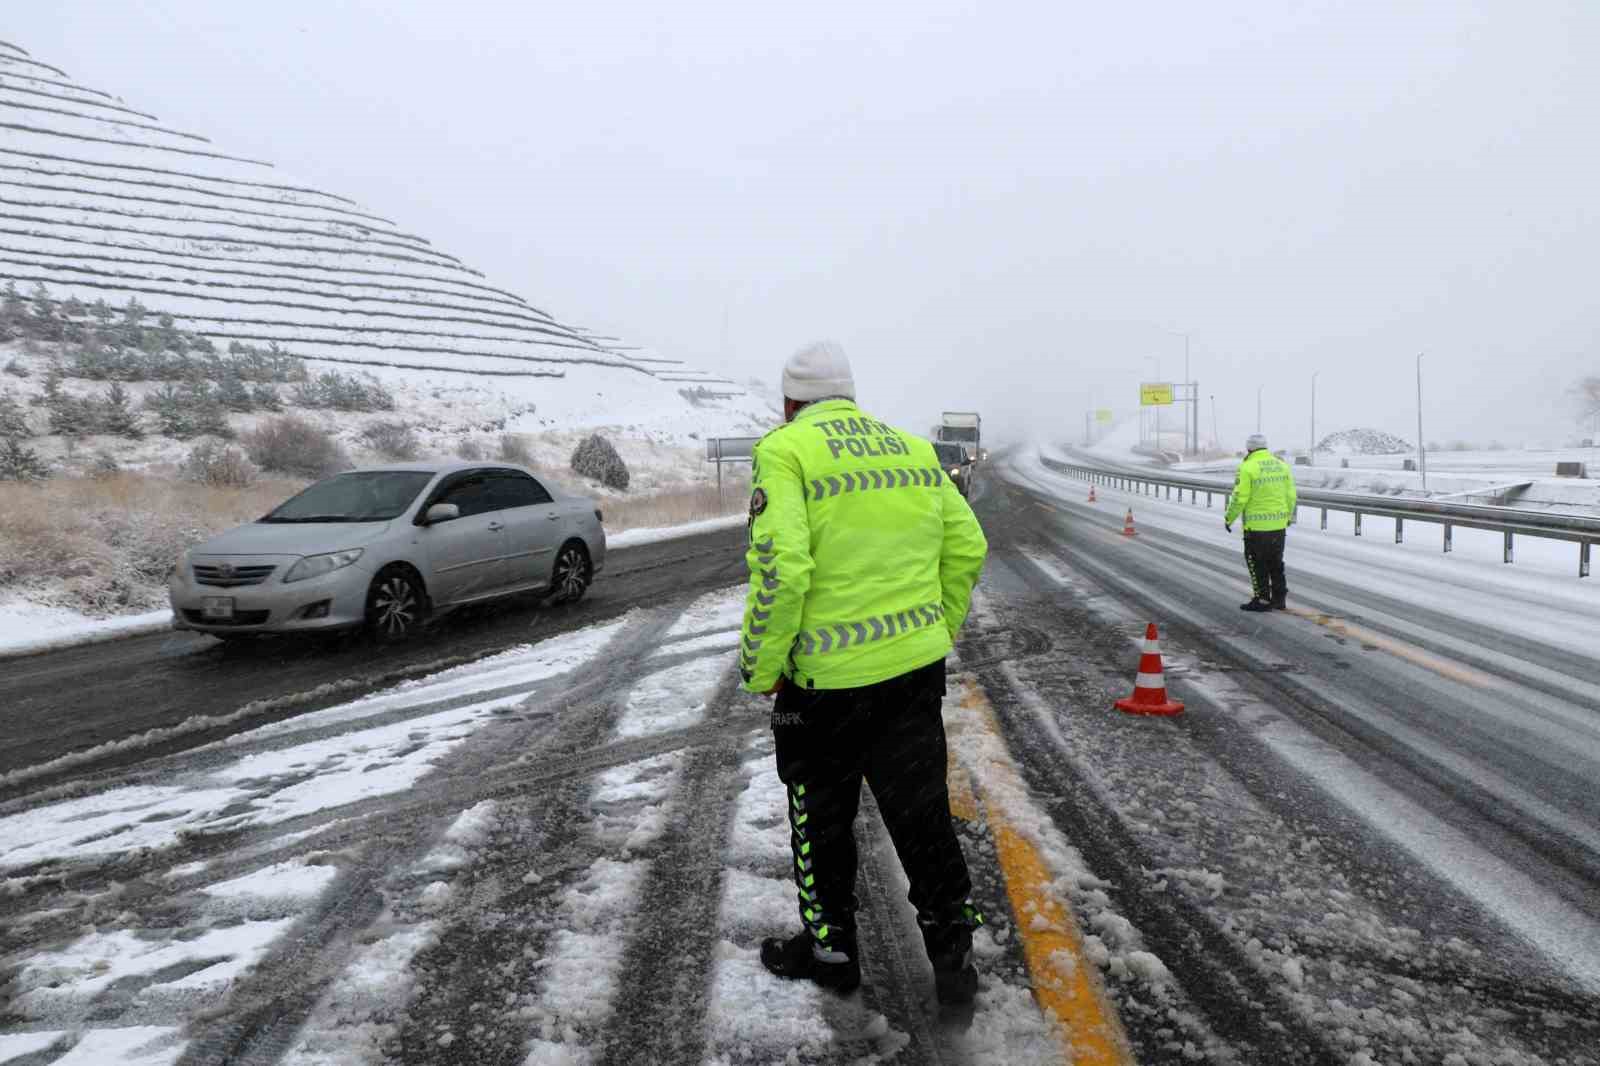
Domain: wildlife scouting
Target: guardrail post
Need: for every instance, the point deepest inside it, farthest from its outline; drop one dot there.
(1449, 538)
(1208, 499)
(1399, 530)
(1508, 545)
(1358, 523)
(1324, 519)
(1583, 558)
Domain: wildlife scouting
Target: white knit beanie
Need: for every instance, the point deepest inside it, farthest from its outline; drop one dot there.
(819, 371)
(1255, 442)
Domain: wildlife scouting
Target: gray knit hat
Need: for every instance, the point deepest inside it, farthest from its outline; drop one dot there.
(819, 371)
(1255, 442)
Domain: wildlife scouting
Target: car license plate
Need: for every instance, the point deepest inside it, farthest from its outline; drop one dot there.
(219, 608)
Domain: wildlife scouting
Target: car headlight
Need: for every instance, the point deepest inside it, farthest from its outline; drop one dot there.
(180, 567)
(955, 470)
(317, 565)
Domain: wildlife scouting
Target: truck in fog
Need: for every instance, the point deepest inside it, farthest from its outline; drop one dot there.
(963, 428)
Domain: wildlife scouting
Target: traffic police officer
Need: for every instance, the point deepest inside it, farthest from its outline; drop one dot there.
(1263, 492)
(862, 560)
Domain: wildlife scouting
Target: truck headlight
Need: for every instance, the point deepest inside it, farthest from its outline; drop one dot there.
(317, 565)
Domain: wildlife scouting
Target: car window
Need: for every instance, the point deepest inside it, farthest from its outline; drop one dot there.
(515, 489)
(370, 496)
(473, 493)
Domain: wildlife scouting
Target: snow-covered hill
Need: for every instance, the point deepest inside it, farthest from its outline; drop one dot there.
(100, 201)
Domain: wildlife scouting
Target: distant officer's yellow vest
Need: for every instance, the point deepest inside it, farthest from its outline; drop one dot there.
(862, 554)
(1263, 491)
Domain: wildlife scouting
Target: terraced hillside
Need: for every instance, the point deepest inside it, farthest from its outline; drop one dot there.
(99, 201)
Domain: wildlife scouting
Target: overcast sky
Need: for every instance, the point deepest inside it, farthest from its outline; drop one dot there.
(1007, 206)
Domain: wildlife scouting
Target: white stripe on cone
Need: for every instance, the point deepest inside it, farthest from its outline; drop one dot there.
(1150, 681)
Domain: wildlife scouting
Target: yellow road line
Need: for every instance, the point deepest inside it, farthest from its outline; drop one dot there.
(1065, 982)
(1466, 675)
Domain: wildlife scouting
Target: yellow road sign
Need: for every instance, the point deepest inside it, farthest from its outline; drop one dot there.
(1155, 394)
(1103, 416)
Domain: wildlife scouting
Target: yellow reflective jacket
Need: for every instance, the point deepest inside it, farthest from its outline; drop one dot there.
(1263, 491)
(862, 554)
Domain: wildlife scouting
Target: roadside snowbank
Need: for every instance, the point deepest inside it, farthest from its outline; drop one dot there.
(28, 628)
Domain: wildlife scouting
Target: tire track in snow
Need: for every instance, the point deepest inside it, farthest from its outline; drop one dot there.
(473, 997)
(660, 1018)
(267, 1007)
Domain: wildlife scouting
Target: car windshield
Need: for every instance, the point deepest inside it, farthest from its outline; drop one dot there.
(375, 496)
(949, 454)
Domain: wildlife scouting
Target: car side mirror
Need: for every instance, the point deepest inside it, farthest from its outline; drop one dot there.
(441, 512)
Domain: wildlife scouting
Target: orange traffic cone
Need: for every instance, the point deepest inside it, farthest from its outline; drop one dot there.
(1091, 494)
(1150, 687)
(1127, 525)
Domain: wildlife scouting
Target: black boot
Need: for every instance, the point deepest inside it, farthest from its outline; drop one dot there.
(802, 958)
(1280, 603)
(955, 978)
(1256, 606)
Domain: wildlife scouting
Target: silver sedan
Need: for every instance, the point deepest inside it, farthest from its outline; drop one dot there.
(387, 547)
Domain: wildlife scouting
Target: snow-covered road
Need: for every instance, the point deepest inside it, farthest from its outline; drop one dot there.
(1370, 839)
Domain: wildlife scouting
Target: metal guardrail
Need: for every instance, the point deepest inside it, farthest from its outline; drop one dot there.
(1508, 521)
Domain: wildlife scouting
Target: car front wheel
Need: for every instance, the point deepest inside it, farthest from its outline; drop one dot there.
(572, 574)
(395, 605)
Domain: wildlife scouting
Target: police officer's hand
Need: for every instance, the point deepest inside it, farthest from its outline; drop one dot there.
(775, 689)
(1228, 526)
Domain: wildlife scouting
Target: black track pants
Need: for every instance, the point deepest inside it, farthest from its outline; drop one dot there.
(892, 736)
(1263, 554)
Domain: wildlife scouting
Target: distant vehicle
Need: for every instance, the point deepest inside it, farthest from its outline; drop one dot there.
(961, 427)
(384, 548)
(957, 462)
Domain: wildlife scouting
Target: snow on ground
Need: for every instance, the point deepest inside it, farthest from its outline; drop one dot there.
(281, 783)
(1539, 595)
(1465, 474)
(26, 628)
(1315, 927)
(632, 538)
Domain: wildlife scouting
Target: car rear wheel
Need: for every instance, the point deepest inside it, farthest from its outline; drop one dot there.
(572, 574)
(396, 605)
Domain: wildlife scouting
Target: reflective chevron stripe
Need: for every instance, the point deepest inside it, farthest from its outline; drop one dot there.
(839, 636)
(867, 480)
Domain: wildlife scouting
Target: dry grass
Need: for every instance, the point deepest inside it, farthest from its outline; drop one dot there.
(676, 505)
(104, 545)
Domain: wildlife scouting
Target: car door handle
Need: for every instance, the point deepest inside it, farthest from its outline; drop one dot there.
(495, 527)
(553, 517)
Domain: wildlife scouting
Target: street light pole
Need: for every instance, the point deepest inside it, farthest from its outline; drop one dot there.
(1313, 455)
(1157, 361)
(1258, 407)
(1422, 451)
(1216, 438)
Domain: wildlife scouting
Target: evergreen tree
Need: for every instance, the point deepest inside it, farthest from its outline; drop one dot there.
(266, 398)
(70, 416)
(52, 386)
(19, 462)
(13, 419)
(116, 414)
(173, 414)
(233, 394)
